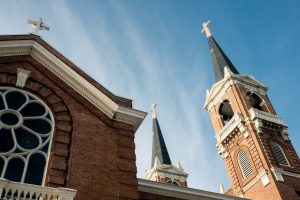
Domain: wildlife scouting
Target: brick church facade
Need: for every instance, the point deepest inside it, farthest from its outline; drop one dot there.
(64, 136)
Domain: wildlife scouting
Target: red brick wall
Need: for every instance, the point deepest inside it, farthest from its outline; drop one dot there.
(90, 152)
(256, 145)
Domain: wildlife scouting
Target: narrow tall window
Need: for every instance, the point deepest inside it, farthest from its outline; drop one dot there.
(244, 164)
(25, 136)
(225, 111)
(279, 154)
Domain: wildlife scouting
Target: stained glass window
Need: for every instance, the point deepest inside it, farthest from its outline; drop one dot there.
(26, 132)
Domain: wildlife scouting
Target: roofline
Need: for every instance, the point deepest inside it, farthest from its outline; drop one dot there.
(100, 97)
(118, 99)
(163, 189)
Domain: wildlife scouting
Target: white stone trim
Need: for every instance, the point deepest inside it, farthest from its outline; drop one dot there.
(278, 172)
(73, 79)
(261, 176)
(166, 171)
(220, 88)
(264, 179)
(229, 128)
(22, 76)
(46, 193)
(254, 113)
(179, 192)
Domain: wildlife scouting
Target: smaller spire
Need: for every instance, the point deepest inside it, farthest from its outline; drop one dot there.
(162, 169)
(159, 148)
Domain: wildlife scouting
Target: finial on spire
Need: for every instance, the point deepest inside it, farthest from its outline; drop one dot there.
(206, 29)
(222, 189)
(38, 25)
(154, 110)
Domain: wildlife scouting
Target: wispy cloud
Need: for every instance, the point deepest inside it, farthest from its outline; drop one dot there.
(130, 65)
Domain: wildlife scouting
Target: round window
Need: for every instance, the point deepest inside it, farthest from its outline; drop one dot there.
(26, 126)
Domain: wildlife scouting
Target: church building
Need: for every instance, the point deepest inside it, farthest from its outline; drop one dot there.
(63, 136)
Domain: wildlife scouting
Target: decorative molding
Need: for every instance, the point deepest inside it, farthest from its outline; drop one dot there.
(166, 171)
(179, 192)
(258, 114)
(264, 179)
(22, 76)
(284, 133)
(278, 172)
(46, 193)
(229, 128)
(73, 79)
(262, 176)
(220, 88)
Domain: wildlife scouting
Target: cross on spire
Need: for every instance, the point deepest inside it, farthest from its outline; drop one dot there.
(38, 25)
(154, 110)
(222, 64)
(206, 29)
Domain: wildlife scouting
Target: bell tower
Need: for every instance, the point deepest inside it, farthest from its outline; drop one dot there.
(252, 138)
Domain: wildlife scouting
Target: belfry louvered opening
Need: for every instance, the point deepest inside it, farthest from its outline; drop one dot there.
(279, 154)
(245, 164)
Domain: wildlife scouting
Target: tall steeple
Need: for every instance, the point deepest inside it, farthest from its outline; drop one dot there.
(159, 148)
(252, 139)
(219, 58)
(162, 169)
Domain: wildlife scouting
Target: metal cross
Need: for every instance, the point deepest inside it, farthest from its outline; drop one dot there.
(206, 29)
(154, 110)
(38, 25)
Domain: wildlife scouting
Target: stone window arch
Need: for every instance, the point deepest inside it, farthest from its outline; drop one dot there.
(244, 164)
(26, 133)
(279, 154)
(225, 111)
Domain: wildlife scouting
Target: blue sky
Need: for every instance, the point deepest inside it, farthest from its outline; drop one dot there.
(152, 51)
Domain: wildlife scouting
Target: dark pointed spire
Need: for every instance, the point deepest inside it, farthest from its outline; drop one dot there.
(159, 148)
(219, 58)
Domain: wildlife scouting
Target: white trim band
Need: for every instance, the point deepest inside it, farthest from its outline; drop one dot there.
(179, 192)
(73, 79)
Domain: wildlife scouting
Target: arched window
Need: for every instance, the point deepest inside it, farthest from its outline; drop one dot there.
(254, 100)
(35, 169)
(244, 164)
(225, 111)
(14, 170)
(279, 154)
(1, 165)
(26, 132)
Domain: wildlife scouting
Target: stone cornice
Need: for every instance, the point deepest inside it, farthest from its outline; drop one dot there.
(169, 171)
(278, 172)
(73, 79)
(220, 88)
(180, 192)
(258, 114)
(229, 127)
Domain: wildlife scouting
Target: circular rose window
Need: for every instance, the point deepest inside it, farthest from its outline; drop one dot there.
(26, 126)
